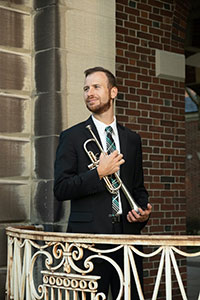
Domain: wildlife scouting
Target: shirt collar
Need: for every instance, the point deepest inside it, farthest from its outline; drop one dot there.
(101, 126)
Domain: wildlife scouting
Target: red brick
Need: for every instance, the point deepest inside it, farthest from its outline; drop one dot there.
(132, 112)
(125, 2)
(144, 78)
(143, 50)
(166, 13)
(156, 101)
(121, 16)
(134, 127)
(122, 60)
(157, 143)
(121, 30)
(132, 40)
(131, 25)
(155, 3)
(132, 11)
(119, 52)
(122, 118)
(156, 17)
(121, 103)
(121, 45)
(144, 35)
(143, 106)
(155, 45)
(143, 92)
(130, 54)
(144, 21)
(132, 83)
(123, 89)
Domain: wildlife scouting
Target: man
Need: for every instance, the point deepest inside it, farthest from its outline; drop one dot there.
(92, 206)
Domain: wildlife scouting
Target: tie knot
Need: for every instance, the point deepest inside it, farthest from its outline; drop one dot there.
(109, 129)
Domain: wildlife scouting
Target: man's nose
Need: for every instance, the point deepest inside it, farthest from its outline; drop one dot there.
(90, 91)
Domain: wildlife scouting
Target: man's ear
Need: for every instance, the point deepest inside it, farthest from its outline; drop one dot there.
(114, 92)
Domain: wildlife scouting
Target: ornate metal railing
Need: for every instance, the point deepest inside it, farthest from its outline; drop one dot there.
(44, 265)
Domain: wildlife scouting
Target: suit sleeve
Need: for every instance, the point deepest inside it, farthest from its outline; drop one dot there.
(71, 183)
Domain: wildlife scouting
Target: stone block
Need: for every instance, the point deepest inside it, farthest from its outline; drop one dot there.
(14, 158)
(44, 3)
(14, 202)
(15, 72)
(46, 36)
(103, 7)
(15, 29)
(170, 65)
(48, 114)
(45, 148)
(90, 34)
(14, 115)
(27, 3)
(45, 208)
(47, 71)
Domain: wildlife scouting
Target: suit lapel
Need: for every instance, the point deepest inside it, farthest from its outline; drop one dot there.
(122, 139)
(123, 145)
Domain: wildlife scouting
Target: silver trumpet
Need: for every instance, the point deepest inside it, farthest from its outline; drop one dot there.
(109, 185)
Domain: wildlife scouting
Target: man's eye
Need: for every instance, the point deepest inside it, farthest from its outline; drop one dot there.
(85, 89)
(97, 86)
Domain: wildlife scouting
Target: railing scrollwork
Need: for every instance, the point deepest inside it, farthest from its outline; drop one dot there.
(45, 265)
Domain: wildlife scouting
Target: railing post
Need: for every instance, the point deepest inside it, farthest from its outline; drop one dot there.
(159, 274)
(27, 255)
(168, 279)
(9, 280)
(16, 269)
(135, 274)
(127, 290)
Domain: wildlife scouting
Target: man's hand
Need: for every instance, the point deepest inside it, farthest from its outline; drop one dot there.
(109, 164)
(133, 217)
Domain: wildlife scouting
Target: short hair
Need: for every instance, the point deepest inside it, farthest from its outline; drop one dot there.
(111, 78)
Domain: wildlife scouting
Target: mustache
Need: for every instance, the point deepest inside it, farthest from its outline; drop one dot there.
(92, 97)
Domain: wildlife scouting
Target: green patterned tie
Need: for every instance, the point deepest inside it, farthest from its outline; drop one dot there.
(110, 146)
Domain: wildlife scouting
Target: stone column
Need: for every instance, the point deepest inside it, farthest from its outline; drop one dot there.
(16, 85)
(70, 36)
(47, 112)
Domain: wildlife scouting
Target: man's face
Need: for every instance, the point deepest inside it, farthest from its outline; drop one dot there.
(97, 93)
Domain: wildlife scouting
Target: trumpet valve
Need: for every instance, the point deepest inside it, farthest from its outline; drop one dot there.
(93, 165)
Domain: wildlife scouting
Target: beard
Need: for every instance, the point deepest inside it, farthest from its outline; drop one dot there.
(100, 108)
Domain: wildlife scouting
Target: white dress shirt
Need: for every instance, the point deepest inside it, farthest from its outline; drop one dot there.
(102, 134)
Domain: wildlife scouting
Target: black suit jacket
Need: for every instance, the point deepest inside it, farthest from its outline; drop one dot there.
(91, 203)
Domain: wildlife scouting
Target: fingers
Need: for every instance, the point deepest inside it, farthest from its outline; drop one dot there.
(133, 216)
(117, 159)
(142, 216)
(149, 207)
(109, 164)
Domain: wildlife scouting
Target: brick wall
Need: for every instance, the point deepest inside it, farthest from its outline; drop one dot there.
(154, 107)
